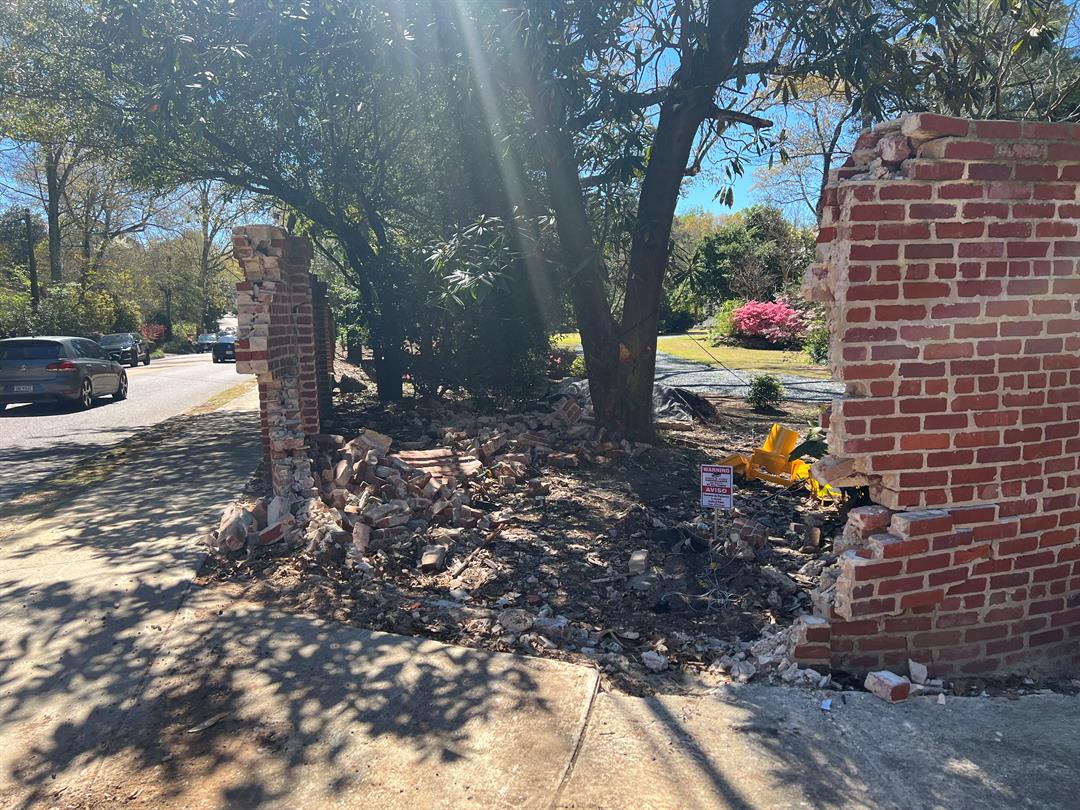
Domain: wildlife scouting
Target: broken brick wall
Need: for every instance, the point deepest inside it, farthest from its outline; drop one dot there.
(948, 257)
(285, 338)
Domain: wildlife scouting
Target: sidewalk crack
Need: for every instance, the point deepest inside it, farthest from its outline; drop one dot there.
(578, 744)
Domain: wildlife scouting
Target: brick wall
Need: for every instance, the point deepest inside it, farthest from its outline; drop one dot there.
(285, 338)
(948, 262)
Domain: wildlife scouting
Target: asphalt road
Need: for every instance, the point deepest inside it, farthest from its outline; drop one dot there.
(39, 440)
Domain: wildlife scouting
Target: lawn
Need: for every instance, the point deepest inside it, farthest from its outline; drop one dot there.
(694, 347)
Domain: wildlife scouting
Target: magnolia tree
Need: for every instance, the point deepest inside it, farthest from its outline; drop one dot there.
(642, 95)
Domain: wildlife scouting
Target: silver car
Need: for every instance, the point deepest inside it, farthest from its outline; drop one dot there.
(65, 369)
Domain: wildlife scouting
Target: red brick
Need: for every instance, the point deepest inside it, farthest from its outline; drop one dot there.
(932, 210)
(921, 599)
(905, 191)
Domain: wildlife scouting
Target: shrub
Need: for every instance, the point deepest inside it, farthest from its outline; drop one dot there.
(676, 321)
(765, 392)
(676, 314)
(776, 322)
(157, 354)
(577, 367)
(723, 326)
(128, 317)
(179, 347)
(69, 310)
(816, 344)
(182, 330)
(559, 361)
(153, 332)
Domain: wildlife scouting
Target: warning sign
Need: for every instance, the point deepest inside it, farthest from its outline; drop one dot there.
(716, 486)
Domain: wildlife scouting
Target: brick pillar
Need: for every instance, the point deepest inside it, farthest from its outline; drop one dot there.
(948, 262)
(324, 350)
(276, 342)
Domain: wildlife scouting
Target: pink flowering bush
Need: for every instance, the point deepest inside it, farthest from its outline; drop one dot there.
(774, 321)
(153, 332)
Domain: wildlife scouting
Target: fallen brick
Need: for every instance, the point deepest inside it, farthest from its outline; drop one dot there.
(888, 686)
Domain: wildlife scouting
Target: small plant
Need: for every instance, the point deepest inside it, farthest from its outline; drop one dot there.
(723, 326)
(577, 367)
(815, 445)
(766, 392)
(559, 362)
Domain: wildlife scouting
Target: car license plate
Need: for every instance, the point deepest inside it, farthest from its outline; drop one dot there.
(22, 389)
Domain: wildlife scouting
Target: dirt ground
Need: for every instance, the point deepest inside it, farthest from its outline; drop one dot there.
(562, 558)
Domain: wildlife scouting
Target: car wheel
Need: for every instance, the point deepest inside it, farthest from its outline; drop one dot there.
(121, 388)
(146, 360)
(86, 395)
(216, 360)
(134, 360)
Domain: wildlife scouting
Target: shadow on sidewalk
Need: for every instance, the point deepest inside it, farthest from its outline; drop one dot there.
(98, 669)
(83, 588)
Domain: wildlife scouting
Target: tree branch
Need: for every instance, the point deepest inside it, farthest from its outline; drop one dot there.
(736, 117)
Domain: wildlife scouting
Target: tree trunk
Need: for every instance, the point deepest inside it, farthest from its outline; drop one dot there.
(204, 256)
(382, 314)
(31, 264)
(598, 330)
(52, 211)
(354, 349)
(389, 369)
(680, 117)
(621, 358)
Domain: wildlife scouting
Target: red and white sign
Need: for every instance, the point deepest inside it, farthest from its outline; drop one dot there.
(716, 486)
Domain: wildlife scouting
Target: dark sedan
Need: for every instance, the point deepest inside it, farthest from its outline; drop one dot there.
(126, 347)
(205, 343)
(58, 369)
(225, 348)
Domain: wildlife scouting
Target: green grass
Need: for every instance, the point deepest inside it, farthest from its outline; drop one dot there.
(757, 361)
(568, 340)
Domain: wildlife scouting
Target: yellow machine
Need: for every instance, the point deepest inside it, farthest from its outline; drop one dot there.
(771, 462)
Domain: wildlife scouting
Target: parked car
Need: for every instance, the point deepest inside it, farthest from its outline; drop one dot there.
(205, 343)
(126, 347)
(225, 348)
(65, 369)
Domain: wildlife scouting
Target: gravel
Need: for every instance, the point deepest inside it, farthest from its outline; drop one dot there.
(704, 379)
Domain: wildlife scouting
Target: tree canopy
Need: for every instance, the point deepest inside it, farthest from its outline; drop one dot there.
(447, 154)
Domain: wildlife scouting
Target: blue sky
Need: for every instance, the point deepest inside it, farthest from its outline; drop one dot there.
(699, 194)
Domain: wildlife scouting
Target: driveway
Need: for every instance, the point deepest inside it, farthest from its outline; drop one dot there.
(705, 379)
(39, 440)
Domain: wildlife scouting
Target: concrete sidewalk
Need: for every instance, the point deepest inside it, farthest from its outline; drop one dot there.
(251, 707)
(773, 747)
(124, 685)
(87, 592)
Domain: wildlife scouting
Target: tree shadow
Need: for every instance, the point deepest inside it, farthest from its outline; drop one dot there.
(106, 689)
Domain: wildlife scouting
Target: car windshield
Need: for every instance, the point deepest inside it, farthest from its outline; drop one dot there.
(114, 340)
(207, 337)
(226, 339)
(29, 350)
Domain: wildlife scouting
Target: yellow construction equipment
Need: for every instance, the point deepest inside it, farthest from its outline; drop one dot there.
(772, 462)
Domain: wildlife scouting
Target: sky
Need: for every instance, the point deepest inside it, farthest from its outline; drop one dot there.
(699, 194)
